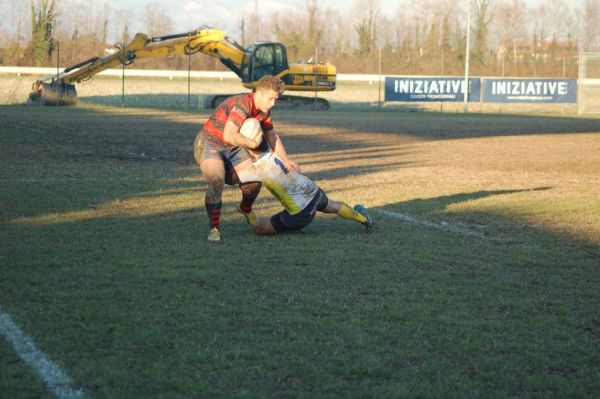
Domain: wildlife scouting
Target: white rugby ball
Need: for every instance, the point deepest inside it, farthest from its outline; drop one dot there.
(251, 129)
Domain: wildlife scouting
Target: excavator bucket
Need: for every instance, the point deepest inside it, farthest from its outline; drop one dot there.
(57, 94)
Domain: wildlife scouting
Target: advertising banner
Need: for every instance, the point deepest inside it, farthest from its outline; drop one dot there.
(501, 90)
(423, 89)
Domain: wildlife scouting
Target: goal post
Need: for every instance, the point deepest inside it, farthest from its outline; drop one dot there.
(588, 93)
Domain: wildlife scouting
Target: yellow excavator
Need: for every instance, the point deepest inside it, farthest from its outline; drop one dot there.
(250, 64)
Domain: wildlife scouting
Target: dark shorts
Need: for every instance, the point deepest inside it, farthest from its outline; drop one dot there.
(283, 221)
(209, 147)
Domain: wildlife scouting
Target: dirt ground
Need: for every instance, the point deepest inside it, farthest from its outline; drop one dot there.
(397, 156)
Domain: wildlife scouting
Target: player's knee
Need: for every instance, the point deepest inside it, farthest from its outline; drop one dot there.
(212, 198)
(214, 190)
(264, 227)
(259, 228)
(216, 185)
(250, 189)
(231, 177)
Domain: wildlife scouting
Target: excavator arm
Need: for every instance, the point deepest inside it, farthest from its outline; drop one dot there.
(60, 89)
(248, 64)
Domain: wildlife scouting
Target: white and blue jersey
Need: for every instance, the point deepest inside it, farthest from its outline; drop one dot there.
(294, 190)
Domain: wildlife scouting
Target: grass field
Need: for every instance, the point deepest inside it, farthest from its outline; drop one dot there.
(480, 278)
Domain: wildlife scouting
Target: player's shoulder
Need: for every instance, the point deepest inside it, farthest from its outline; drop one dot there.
(239, 101)
(244, 100)
(239, 106)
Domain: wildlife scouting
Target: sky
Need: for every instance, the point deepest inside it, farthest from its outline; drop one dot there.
(225, 14)
(188, 15)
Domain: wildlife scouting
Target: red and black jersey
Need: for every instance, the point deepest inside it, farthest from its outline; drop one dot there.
(236, 109)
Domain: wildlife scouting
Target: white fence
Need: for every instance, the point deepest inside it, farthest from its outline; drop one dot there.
(221, 75)
(354, 90)
(588, 96)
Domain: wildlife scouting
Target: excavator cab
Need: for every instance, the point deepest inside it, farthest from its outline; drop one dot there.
(270, 58)
(264, 58)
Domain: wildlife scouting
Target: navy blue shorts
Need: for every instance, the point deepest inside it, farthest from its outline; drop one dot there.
(283, 221)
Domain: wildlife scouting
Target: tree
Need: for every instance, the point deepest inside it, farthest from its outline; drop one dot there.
(13, 32)
(254, 23)
(483, 12)
(510, 21)
(422, 37)
(330, 32)
(424, 33)
(509, 25)
(243, 30)
(14, 16)
(368, 14)
(43, 19)
(591, 25)
(314, 30)
(460, 44)
(301, 32)
(157, 20)
(557, 19)
(123, 22)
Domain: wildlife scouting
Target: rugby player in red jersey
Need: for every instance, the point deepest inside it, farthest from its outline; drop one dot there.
(219, 148)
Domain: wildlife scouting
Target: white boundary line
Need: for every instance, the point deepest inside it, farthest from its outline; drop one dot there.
(452, 228)
(57, 382)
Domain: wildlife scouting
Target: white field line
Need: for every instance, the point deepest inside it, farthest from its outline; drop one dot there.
(452, 228)
(57, 382)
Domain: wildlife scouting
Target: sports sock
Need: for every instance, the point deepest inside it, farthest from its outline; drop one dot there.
(249, 193)
(214, 213)
(348, 213)
(246, 204)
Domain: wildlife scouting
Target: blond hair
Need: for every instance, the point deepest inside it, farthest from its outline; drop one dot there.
(269, 82)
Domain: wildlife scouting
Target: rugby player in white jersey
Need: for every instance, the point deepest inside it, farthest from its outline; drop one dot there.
(300, 196)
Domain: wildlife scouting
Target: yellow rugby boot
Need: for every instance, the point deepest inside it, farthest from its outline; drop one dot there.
(250, 216)
(214, 235)
(363, 211)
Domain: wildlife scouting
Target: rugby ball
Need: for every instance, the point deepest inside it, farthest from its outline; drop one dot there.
(251, 129)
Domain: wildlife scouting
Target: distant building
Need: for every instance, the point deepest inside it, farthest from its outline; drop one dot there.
(543, 50)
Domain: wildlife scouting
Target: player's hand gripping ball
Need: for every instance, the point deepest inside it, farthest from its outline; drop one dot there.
(251, 129)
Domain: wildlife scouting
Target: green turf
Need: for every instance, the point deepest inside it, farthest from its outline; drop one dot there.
(104, 262)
